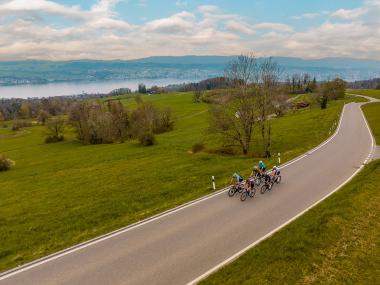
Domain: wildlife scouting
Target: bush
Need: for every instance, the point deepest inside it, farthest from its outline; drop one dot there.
(163, 123)
(18, 124)
(197, 96)
(147, 138)
(333, 90)
(198, 147)
(5, 163)
(54, 139)
(55, 128)
(323, 102)
(148, 120)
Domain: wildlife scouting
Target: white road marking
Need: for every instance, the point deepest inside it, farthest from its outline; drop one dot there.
(91, 242)
(238, 254)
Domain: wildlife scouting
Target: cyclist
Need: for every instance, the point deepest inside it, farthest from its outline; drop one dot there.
(255, 171)
(237, 177)
(249, 184)
(275, 171)
(262, 166)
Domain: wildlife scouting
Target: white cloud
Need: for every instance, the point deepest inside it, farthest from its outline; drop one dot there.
(28, 6)
(100, 33)
(208, 9)
(307, 16)
(350, 14)
(179, 23)
(274, 26)
(239, 27)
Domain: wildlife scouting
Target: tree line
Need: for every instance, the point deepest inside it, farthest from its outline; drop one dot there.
(94, 122)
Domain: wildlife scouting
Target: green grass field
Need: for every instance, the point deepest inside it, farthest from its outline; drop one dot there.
(336, 242)
(356, 99)
(366, 92)
(372, 112)
(61, 194)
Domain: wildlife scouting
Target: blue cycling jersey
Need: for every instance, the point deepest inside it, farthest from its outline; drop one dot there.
(262, 165)
(238, 177)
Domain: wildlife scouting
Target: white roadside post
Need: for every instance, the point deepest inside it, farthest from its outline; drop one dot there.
(279, 158)
(213, 182)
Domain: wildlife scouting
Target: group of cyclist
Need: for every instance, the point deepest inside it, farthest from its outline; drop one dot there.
(258, 172)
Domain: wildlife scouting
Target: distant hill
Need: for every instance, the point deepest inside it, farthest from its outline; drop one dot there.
(182, 67)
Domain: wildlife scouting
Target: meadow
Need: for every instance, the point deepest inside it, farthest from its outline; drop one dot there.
(336, 242)
(366, 92)
(61, 194)
(372, 112)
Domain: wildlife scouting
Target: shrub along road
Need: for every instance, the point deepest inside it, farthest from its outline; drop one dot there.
(183, 245)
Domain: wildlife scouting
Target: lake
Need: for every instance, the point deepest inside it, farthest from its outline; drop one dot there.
(75, 88)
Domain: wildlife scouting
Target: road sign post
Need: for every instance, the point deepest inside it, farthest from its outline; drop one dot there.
(213, 182)
(279, 158)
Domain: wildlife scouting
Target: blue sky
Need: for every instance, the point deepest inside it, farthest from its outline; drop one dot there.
(109, 29)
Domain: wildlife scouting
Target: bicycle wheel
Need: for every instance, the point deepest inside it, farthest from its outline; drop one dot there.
(264, 188)
(231, 191)
(243, 196)
(257, 181)
(253, 192)
(278, 180)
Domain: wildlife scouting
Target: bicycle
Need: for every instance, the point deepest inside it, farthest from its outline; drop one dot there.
(246, 192)
(236, 188)
(269, 184)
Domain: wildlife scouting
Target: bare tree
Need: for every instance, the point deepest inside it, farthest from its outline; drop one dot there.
(268, 95)
(243, 70)
(235, 119)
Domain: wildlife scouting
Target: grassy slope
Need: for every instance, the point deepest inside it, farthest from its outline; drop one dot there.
(366, 92)
(337, 242)
(61, 194)
(372, 112)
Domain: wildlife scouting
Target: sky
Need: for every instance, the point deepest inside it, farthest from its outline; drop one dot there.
(128, 29)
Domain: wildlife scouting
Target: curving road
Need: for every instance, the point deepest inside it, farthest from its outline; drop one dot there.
(181, 246)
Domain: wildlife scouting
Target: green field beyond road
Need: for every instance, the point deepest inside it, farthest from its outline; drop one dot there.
(336, 242)
(365, 92)
(61, 194)
(372, 113)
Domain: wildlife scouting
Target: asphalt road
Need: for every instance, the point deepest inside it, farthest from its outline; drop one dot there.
(183, 245)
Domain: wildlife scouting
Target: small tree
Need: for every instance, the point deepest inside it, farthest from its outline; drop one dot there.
(120, 119)
(24, 112)
(55, 129)
(334, 90)
(43, 117)
(235, 119)
(142, 88)
(323, 101)
(197, 96)
(378, 86)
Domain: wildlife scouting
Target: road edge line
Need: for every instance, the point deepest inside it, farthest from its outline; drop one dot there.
(74, 248)
(241, 252)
